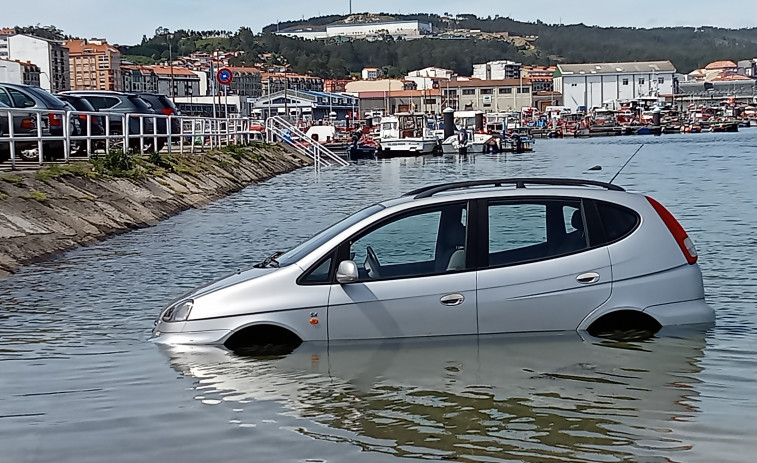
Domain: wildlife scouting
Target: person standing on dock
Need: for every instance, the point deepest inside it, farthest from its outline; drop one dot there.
(462, 142)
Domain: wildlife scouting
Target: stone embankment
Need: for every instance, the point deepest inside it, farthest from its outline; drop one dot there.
(57, 208)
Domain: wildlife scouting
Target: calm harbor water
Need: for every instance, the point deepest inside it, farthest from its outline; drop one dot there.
(79, 382)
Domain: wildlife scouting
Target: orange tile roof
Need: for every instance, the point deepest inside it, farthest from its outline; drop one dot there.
(77, 47)
(720, 65)
(401, 93)
(243, 69)
(8, 31)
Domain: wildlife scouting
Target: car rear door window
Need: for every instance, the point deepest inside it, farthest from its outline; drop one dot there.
(528, 231)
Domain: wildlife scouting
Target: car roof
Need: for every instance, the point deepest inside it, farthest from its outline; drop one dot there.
(509, 187)
(98, 92)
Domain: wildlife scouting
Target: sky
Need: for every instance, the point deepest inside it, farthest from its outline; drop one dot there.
(126, 22)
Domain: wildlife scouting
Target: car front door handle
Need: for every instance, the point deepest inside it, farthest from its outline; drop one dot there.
(452, 299)
(588, 277)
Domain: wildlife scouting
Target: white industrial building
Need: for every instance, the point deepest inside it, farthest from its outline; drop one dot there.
(406, 29)
(497, 70)
(590, 85)
(49, 55)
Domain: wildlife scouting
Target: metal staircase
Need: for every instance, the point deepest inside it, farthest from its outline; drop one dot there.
(279, 129)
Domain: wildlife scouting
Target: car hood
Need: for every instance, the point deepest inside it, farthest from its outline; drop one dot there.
(229, 280)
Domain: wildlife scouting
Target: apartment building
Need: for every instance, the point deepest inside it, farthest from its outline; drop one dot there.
(247, 82)
(138, 78)
(488, 95)
(94, 65)
(176, 81)
(50, 56)
(18, 72)
(497, 70)
(276, 82)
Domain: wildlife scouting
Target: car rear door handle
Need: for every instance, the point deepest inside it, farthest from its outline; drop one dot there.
(588, 277)
(452, 299)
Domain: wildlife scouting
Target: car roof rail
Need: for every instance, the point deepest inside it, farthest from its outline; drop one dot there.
(431, 190)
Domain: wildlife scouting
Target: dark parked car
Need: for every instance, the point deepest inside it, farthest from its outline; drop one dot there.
(122, 103)
(29, 97)
(23, 125)
(96, 123)
(162, 104)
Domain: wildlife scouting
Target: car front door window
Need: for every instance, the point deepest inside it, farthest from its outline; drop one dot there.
(415, 245)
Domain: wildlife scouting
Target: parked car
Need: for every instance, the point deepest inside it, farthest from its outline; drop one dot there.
(162, 104)
(477, 257)
(95, 122)
(120, 103)
(23, 125)
(30, 97)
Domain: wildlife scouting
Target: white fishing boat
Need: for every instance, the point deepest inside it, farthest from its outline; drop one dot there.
(477, 143)
(406, 133)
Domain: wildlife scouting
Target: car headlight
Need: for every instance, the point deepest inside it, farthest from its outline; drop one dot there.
(178, 312)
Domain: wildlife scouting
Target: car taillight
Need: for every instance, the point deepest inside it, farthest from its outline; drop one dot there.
(680, 235)
(28, 124)
(56, 120)
(167, 111)
(83, 117)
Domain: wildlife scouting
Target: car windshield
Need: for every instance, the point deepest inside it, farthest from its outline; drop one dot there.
(321, 238)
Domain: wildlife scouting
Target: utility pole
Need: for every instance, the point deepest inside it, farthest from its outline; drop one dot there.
(350, 6)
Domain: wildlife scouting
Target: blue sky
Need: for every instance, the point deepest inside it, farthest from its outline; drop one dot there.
(126, 22)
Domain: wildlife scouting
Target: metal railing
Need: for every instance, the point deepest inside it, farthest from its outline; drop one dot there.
(40, 135)
(279, 129)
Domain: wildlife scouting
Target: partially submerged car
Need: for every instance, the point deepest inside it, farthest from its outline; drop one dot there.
(476, 257)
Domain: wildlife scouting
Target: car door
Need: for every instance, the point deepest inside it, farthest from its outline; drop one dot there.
(413, 279)
(539, 270)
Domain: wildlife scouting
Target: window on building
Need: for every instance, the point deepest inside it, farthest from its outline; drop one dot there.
(429, 101)
(524, 90)
(486, 91)
(574, 85)
(505, 90)
(660, 80)
(451, 92)
(469, 91)
(641, 81)
(625, 81)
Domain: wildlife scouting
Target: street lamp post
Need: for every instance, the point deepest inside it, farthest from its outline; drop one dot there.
(170, 63)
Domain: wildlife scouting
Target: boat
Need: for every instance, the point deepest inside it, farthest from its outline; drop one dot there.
(477, 143)
(517, 143)
(328, 137)
(406, 133)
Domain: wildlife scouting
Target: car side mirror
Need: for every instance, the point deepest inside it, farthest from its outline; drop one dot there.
(347, 272)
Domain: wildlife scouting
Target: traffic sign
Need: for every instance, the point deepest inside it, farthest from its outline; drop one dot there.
(224, 76)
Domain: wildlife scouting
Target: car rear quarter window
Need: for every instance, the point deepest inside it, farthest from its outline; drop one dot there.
(618, 221)
(4, 98)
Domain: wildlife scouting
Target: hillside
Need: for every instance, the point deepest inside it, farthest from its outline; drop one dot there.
(530, 43)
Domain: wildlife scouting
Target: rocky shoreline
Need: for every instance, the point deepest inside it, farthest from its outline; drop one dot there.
(60, 207)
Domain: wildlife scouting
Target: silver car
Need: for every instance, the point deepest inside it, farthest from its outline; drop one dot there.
(476, 257)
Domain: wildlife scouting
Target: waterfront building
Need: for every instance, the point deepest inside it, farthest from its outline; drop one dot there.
(17, 72)
(541, 77)
(488, 95)
(94, 65)
(588, 85)
(308, 105)
(176, 81)
(335, 85)
(497, 70)
(748, 67)
(395, 101)
(51, 56)
(382, 85)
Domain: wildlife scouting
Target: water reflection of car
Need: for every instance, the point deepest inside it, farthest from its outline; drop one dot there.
(478, 257)
(517, 397)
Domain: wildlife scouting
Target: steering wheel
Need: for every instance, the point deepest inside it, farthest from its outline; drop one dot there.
(372, 263)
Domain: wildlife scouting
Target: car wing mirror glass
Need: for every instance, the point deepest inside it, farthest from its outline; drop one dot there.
(347, 272)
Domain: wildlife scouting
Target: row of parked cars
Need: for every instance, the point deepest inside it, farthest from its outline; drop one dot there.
(18, 96)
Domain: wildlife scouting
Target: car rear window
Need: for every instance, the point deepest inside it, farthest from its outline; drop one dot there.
(49, 99)
(617, 221)
(78, 103)
(140, 103)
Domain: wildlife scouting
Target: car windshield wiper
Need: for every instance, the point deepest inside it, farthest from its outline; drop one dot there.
(269, 261)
